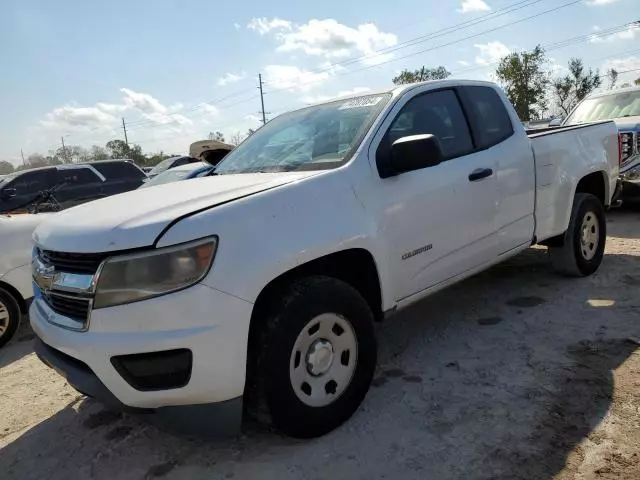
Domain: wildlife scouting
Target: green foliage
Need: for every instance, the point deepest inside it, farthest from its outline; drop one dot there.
(637, 81)
(117, 149)
(219, 136)
(525, 80)
(576, 85)
(5, 167)
(421, 75)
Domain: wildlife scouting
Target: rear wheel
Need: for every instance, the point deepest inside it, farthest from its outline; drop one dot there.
(583, 248)
(9, 316)
(318, 356)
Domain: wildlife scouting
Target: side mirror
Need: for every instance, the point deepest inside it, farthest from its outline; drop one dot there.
(556, 122)
(413, 153)
(7, 193)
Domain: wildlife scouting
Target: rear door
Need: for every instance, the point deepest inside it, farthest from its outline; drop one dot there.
(438, 222)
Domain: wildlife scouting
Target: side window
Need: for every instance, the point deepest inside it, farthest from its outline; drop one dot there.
(489, 117)
(33, 182)
(180, 161)
(77, 176)
(437, 113)
(118, 170)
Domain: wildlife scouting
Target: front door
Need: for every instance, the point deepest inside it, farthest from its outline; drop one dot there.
(439, 221)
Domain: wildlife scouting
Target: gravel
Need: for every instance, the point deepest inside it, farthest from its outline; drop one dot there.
(516, 373)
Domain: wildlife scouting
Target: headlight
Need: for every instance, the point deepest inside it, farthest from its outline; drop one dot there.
(134, 277)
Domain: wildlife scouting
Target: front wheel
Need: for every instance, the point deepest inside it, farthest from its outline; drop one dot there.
(9, 316)
(583, 248)
(318, 358)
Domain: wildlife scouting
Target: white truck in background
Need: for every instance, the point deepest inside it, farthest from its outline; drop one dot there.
(261, 284)
(622, 106)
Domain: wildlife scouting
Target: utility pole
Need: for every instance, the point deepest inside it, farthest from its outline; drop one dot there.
(22, 155)
(64, 150)
(422, 74)
(264, 114)
(124, 127)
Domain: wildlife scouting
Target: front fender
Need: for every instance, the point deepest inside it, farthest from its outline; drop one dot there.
(267, 234)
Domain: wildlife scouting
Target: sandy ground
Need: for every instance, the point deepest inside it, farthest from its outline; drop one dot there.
(514, 374)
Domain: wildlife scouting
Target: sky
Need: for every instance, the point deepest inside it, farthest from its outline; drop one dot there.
(177, 70)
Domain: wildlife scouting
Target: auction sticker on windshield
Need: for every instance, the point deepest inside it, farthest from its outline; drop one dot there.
(360, 102)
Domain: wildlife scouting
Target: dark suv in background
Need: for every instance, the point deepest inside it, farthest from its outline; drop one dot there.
(74, 183)
(171, 163)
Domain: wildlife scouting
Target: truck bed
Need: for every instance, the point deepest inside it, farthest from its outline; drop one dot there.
(558, 153)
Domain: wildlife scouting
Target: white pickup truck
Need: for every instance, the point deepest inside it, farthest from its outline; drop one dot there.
(260, 284)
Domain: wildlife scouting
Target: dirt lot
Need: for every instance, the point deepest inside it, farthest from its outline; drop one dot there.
(513, 374)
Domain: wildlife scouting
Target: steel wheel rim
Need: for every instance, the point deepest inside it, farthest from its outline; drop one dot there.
(323, 360)
(4, 319)
(589, 235)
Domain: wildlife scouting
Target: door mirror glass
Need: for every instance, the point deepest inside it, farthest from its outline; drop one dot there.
(7, 193)
(556, 122)
(414, 153)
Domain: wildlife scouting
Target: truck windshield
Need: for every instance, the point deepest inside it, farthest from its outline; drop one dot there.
(314, 138)
(617, 105)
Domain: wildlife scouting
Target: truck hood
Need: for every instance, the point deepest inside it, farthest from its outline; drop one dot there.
(628, 123)
(15, 239)
(135, 219)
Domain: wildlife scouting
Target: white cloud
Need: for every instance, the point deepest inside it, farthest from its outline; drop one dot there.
(263, 25)
(78, 118)
(464, 63)
(469, 6)
(631, 32)
(290, 77)
(103, 116)
(329, 39)
(237, 26)
(230, 78)
(600, 2)
(491, 52)
(340, 94)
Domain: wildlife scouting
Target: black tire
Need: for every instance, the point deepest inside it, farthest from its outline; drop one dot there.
(9, 317)
(300, 304)
(571, 258)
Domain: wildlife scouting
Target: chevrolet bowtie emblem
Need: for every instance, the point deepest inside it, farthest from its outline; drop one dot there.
(43, 274)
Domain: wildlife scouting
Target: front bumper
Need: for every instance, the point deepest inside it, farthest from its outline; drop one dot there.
(214, 326)
(213, 419)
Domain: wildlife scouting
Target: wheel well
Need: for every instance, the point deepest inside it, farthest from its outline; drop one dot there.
(355, 267)
(15, 294)
(594, 183)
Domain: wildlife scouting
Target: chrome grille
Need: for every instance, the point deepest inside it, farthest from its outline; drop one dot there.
(85, 263)
(72, 306)
(627, 144)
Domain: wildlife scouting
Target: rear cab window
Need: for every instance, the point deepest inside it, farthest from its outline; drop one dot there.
(488, 116)
(72, 177)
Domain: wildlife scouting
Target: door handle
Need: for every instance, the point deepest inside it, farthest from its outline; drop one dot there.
(479, 174)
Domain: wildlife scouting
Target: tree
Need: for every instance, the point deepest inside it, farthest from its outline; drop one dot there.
(5, 167)
(250, 132)
(36, 160)
(117, 149)
(612, 75)
(135, 154)
(421, 75)
(236, 138)
(219, 136)
(637, 81)
(576, 85)
(97, 153)
(525, 81)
